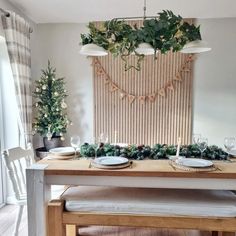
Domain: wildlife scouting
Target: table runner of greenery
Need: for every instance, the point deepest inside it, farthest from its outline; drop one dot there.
(158, 151)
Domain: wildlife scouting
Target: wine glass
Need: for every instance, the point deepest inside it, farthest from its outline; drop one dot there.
(103, 138)
(202, 145)
(196, 138)
(98, 141)
(75, 142)
(229, 143)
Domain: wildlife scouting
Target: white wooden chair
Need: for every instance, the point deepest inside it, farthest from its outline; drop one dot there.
(16, 161)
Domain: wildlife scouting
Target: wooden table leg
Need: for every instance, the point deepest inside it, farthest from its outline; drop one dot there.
(38, 194)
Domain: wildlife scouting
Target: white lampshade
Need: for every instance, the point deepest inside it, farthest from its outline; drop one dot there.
(145, 48)
(92, 49)
(196, 46)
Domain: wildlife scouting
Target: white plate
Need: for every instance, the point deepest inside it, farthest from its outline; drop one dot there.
(110, 161)
(194, 162)
(62, 151)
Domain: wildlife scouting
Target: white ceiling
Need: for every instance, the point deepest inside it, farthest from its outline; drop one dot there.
(73, 11)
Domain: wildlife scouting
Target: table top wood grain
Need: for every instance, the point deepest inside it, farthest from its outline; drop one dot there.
(142, 168)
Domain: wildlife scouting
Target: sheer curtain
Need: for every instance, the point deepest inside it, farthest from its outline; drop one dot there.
(17, 34)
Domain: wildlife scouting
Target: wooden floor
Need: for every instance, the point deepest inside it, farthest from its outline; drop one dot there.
(8, 214)
(7, 219)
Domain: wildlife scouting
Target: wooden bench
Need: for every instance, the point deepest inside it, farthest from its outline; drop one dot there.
(66, 223)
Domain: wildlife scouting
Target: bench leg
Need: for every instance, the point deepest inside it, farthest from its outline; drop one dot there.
(228, 234)
(55, 226)
(214, 233)
(72, 230)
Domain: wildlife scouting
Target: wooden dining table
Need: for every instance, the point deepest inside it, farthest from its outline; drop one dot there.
(142, 174)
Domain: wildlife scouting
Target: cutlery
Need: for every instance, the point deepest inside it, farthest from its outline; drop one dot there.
(218, 168)
(173, 167)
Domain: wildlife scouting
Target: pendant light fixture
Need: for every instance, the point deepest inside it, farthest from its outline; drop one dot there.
(196, 46)
(92, 49)
(145, 49)
(158, 34)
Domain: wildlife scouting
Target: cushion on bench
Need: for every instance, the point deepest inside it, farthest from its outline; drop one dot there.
(150, 201)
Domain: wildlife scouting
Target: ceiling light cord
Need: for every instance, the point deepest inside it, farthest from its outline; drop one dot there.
(144, 9)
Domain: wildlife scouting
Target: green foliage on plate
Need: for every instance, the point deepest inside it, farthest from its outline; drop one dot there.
(158, 151)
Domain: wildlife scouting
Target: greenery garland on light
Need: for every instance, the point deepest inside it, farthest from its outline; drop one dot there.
(51, 119)
(164, 33)
(158, 151)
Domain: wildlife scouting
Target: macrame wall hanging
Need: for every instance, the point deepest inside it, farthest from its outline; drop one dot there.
(146, 107)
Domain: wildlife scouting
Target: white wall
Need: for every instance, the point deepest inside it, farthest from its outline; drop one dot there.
(60, 44)
(215, 82)
(214, 77)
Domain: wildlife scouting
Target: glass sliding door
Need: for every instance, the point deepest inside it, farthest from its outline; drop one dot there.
(3, 56)
(2, 170)
(9, 131)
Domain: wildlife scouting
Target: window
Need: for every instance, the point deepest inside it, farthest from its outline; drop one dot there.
(9, 132)
(2, 174)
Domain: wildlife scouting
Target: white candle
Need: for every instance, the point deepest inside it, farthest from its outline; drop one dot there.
(115, 136)
(178, 147)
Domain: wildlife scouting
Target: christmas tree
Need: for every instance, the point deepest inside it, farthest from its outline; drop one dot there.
(51, 119)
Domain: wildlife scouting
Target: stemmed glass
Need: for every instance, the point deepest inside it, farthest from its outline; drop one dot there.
(102, 138)
(196, 138)
(75, 142)
(202, 145)
(96, 146)
(229, 143)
